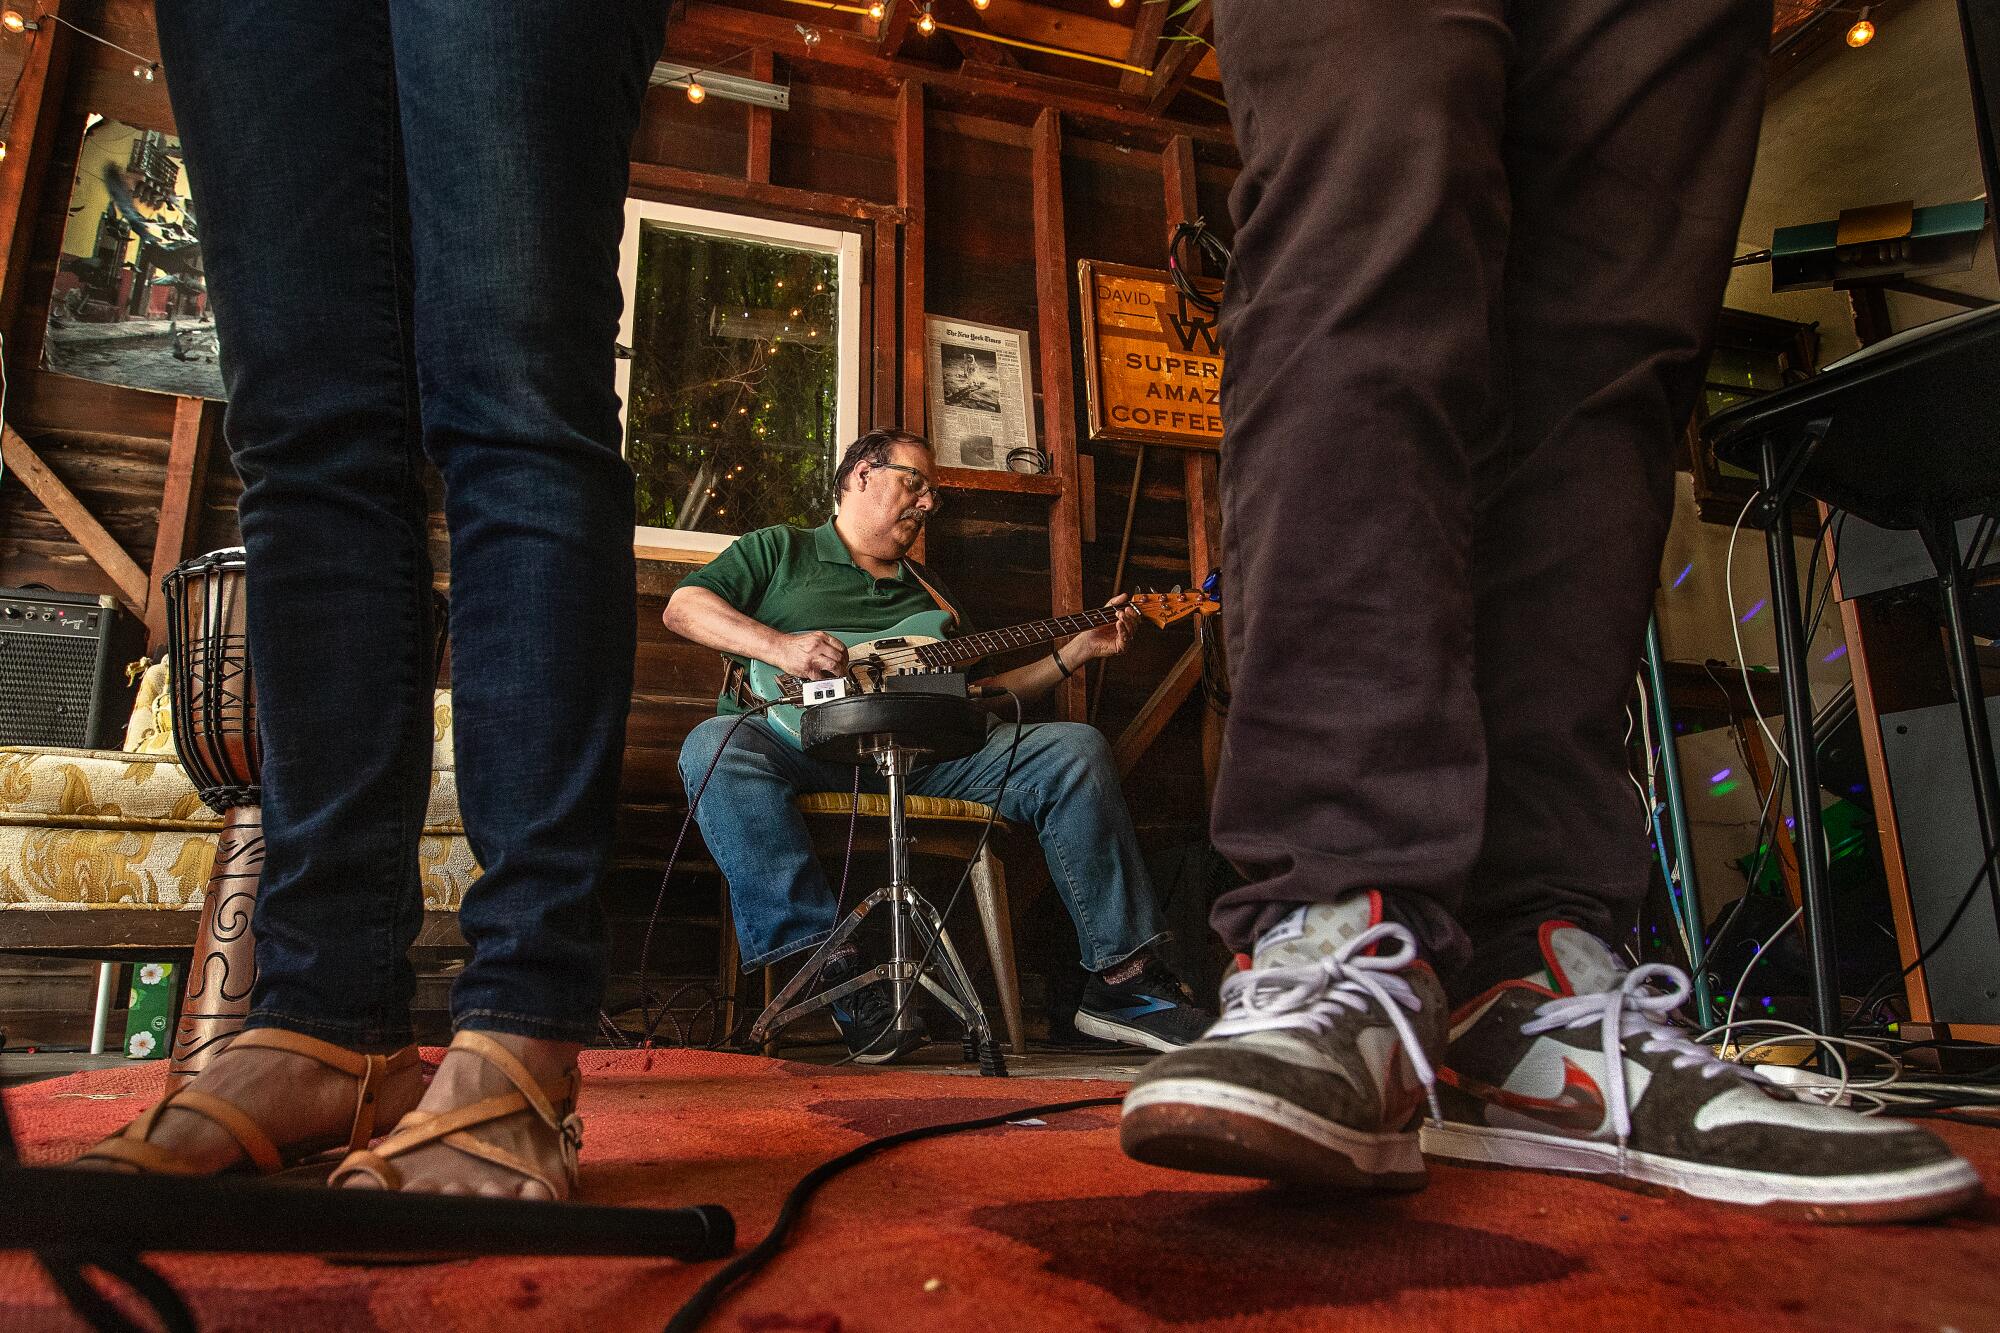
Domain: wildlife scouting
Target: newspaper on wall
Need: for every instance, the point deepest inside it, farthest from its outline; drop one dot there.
(981, 408)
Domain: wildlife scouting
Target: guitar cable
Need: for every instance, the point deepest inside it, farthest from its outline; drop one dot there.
(608, 1021)
(646, 1015)
(1191, 241)
(699, 1306)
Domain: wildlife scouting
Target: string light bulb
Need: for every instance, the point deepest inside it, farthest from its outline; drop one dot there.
(3, 152)
(1863, 32)
(1115, 4)
(981, 4)
(925, 23)
(695, 91)
(16, 22)
(877, 10)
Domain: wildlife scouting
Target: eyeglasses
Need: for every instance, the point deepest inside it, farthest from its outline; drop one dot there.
(924, 485)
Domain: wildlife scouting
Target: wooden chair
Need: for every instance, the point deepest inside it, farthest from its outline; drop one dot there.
(945, 830)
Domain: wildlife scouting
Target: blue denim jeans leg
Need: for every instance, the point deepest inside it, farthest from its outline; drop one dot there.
(1064, 786)
(410, 213)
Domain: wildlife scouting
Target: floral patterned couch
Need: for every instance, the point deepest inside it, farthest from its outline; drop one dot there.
(105, 851)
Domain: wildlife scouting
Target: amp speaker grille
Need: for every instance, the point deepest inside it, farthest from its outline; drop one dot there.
(46, 684)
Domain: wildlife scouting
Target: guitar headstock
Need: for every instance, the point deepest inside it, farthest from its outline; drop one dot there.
(1164, 608)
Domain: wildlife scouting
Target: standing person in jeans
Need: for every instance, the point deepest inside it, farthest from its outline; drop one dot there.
(1480, 250)
(410, 216)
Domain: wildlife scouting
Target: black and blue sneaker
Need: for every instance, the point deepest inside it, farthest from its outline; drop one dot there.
(866, 1017)
(1153, 1009)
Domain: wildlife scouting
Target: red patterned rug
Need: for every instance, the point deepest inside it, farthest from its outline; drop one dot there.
(1048, 1227)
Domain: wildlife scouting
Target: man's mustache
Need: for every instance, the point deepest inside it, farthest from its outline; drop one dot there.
(918, 516)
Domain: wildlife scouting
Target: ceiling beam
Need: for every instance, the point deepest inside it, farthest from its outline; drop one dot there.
(1145, 47)
(961, 14)
(984, 89)
(1177, 65)
(895, 27)
(27, 467)
(1090, 33)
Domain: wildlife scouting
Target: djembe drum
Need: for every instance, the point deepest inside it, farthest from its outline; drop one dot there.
(215, 735)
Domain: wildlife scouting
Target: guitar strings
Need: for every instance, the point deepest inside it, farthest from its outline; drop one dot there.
(898, 658)
(916, 653)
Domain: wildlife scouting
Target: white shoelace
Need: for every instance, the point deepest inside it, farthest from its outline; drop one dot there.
(1632, 1009)
(1309, 996)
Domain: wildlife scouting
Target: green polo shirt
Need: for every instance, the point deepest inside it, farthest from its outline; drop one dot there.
(798, 579)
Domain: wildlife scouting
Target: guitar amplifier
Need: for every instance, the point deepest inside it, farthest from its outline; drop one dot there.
(62, 668)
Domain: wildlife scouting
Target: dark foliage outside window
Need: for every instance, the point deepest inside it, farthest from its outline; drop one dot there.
(730, 416)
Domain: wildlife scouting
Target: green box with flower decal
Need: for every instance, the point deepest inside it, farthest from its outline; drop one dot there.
(148, 1012)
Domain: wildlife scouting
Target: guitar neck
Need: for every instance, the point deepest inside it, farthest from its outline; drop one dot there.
(952, 652)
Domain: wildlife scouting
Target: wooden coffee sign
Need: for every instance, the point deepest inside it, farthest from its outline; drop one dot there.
(1152, 360)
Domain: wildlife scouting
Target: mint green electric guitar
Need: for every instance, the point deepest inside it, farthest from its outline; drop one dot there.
(918, 644)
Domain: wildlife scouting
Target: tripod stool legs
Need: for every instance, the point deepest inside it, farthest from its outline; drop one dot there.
(907, 969)
(954, 991)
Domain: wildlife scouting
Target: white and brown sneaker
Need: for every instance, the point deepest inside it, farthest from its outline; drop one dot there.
(1588, 1075)
(1317, 1072)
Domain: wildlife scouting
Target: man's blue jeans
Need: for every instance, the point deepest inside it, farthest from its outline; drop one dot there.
(1064, 786)
(410, 213)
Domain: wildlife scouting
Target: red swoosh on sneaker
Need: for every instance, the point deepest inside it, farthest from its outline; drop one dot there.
(1402, 1096)
(1579, 1106)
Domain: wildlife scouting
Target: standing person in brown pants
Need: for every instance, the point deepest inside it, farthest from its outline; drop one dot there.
(1480, 249)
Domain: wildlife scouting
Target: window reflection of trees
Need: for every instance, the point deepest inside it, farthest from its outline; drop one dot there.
(735, 382)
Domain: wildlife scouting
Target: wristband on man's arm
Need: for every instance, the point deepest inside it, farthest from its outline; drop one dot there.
(1061, 665)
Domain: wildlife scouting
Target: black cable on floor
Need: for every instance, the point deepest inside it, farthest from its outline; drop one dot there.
(66, 1270)
(700, 1305)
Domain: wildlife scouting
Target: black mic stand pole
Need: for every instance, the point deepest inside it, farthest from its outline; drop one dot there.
(68, 1209)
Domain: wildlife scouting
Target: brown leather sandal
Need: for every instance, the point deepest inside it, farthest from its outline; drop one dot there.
(130, 1146)
(419, 1129)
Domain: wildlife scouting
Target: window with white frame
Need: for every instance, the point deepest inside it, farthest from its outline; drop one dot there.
(739, 370)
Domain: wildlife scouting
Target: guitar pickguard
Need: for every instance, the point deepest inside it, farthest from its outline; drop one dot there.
(870, 664)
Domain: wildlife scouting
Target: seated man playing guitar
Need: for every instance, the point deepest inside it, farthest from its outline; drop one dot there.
(778, 596)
